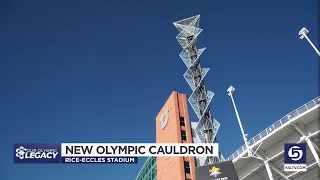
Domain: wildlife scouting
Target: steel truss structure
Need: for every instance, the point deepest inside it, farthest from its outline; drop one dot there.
(200, 98)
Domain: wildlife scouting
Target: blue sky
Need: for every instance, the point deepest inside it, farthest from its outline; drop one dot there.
(99, 71)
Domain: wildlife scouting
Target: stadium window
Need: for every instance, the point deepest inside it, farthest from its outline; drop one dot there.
(186, 167)
(182, 123)
(183, 135)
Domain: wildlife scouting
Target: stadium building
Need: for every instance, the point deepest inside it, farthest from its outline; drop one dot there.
(148, 170)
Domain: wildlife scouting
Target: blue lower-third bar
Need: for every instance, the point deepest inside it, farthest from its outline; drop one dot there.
(108, 160)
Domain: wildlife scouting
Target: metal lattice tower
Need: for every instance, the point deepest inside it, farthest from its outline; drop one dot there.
(200, 98)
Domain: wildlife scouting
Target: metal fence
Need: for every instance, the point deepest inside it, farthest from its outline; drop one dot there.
(276, 125)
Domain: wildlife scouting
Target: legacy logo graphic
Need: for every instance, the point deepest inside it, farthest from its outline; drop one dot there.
(295, 157)
(214, 171)
(36, 153)
(20, 152)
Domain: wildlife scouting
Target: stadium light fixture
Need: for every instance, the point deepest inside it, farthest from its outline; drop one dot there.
(230, 90)
(303, 34)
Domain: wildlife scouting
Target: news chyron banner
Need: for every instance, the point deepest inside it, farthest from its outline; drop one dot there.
(106, 152)
(218, 171)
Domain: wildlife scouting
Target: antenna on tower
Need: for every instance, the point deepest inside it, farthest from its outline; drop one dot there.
(207, 127)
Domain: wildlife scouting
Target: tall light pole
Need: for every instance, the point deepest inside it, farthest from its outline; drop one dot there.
(303, 34)
(230, 90)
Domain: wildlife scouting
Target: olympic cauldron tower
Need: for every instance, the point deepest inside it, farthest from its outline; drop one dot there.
(207, 127)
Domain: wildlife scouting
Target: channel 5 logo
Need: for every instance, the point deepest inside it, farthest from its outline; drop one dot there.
(295, 154)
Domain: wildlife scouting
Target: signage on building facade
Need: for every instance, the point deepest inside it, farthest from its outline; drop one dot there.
(164, 118)
(218, 171)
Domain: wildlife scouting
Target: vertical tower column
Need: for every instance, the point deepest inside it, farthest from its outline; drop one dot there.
(173, 126)
(200, 98)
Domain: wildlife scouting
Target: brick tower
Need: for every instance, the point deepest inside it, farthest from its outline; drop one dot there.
(173, 126)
